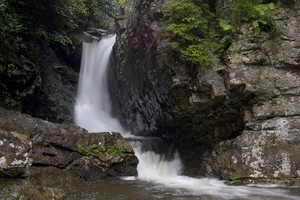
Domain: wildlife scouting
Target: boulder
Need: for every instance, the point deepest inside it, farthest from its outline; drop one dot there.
(55, 154)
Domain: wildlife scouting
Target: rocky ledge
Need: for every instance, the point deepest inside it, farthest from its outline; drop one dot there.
(43, 153)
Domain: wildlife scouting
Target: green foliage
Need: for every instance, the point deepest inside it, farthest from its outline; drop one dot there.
(248, 11)
(61, 39)
(92, 150)
(10, 27)
(196, 31)
(26, 26)
(190, 23)
(121, 2)
(11, 42)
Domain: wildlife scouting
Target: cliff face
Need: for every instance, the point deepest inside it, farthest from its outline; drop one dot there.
(237, 119)
(45, 89)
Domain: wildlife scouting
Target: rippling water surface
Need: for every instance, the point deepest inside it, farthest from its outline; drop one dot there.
(206, 189)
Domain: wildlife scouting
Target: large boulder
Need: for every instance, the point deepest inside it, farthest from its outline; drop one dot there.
(56, 154)
(247, 102)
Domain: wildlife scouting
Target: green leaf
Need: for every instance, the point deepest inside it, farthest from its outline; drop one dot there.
(255, 24)
(225, 25)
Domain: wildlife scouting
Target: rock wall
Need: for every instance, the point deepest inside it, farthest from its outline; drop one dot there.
(44, 87)
(236, 120)
(54, 98)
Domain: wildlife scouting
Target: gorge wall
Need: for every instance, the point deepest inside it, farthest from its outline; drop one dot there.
(44, 89)
(237, 120)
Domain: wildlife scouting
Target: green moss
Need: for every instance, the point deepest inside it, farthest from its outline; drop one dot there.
(91, 150)
(96, 149)
(115, 151)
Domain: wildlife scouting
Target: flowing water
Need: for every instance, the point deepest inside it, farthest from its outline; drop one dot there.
(159, 165)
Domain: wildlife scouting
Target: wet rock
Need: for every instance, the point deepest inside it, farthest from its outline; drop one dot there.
(63, 153)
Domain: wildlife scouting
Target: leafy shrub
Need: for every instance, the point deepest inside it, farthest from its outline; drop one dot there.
(190, 23)
(248, 11)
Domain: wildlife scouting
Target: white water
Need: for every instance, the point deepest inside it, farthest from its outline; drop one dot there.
(93, 107)
(93, 112)
(153, 166)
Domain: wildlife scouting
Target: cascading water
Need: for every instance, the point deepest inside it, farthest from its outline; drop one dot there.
(93, 112)
(93, 107)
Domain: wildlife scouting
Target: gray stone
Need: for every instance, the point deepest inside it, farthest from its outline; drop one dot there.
(49, 150)
(15, 154)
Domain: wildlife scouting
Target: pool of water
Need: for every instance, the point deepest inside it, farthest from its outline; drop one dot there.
(182, 188)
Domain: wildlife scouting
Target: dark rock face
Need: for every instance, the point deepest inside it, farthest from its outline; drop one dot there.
(57, 154)
(141, 81)
(236, 119)
(46, 89)
(54, 99)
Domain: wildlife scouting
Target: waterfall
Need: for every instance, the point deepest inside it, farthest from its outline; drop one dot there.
(93, 107)
(94, 113)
